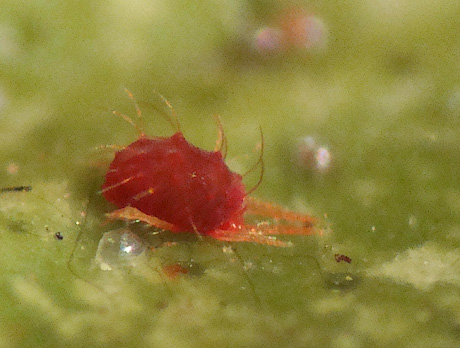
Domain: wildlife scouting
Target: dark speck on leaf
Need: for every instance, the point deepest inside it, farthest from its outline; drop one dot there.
(16, 189)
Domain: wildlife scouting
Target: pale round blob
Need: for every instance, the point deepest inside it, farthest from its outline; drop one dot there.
(311, 156)
(119, 248)
(267, 40)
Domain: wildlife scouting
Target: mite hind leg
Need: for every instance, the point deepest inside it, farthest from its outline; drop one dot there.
(267, 229)
(250, 234)
(263, 233)
(261, 208)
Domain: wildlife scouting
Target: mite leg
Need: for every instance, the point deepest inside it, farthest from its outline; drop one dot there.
(132, 214)
(249, 234)
(286, 229)
(261, 208)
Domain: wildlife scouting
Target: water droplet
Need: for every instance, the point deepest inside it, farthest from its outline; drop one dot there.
(119, 248)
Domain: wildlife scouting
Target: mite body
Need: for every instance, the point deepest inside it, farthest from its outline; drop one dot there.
(171, 184)
(171, 179)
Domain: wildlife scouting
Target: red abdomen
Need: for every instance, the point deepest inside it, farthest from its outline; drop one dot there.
(176, 182)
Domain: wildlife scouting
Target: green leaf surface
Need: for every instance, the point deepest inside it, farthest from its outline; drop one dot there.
(382, 97)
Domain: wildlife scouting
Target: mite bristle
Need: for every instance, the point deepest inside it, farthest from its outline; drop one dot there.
(138, 111)
(129, 120)
(221, 142)
(143, 194)
(175, 118)
(259, 162)
(111, 187)
(248, 279)
(195, 229)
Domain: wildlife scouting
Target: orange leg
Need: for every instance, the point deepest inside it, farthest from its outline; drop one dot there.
(249, 234)
(286, 229)
(262, 233)
(257, 207)
(133, 214)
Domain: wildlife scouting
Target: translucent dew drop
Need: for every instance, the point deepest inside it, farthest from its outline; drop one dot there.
(119, 248)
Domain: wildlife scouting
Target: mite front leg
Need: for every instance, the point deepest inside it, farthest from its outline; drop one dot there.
(132, 214)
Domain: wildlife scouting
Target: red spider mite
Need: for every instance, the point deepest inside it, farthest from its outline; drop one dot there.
(173, 185)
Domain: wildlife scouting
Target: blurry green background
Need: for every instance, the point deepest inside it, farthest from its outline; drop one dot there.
(380, 91)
